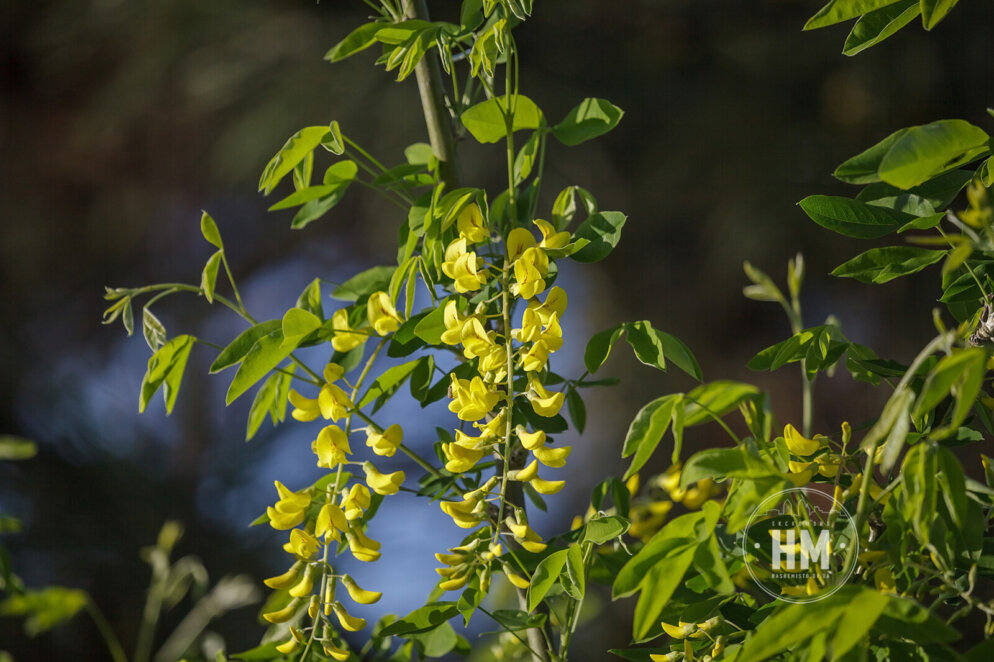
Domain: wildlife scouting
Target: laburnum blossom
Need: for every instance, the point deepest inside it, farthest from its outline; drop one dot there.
(453, 321)
(460, 458)
(331, 522)
(345, 338)
(331, 447)
(331, 403)
(289, 511)
(471, 225)
(551, 238)
(464, 268)
(467, 513)
(471, 399)
(302, 544)
(476, 340)
(530, 271)
(346, 620)
(463, 563)
(526, 536)
(383, 317)
(356, 501)
(362, 547)
(382, 484)
(798, 444)
(385, 442)
(554, 304)
(518, 241)
(545, 403)
(359, 594)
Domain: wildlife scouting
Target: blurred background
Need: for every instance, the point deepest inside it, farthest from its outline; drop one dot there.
(121, 119)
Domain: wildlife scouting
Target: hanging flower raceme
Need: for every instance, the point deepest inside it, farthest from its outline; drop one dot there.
(383, 317)
(464, 268)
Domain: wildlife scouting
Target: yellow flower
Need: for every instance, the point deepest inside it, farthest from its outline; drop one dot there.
(304, 409)
(304, 587)
(464, 268)
(518, 241)
(333, 372)
(344, 339)
(331, 446)
(632, 484)
(289, 510)
(555, 302)
(333, 402)
(349, 622)
(289, 646)
(453, 321)
(362, 547)
(798, 444)
(387, 442)
(526, 537)
(285, 614)
(356, 501)
(531, 326)
(553, 457)
(472, 400)
(382, 484)
(459, 458)
(681, 631)
(530, 440)
(383, 317)
(545, 403)
(529, 273)
(335, 652)
(331, 520)
(546, 486)
(359, 594)
(551, 238)
(476, 340)
(517, 580)
(471, 225)
(526, 474)
(884, 579)
(287, 579)
(466, 513)
(302, 544)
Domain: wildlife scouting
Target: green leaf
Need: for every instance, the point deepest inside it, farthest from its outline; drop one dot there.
(953, 485)
(293, 152)
(431, 327)
(879, 265)
(934, 11)
(208, 228)
(862, 168)
(647, 430)
(852, 218)
(525, 159)
(333, 142)
(266, 354)
(423, 619)
(166, 367)
(653, 347)
(264, 399)
(600, 530)
(923, 152)
(388, 383)
(306, 195)
(714, 398)
(514, 620)
(297, 324)
(938, 191)
(960, 374)
(603, 231)
(709, 563)
(358, 40)
(725, 463)
(208, 279)
(919, 478)
(364, 283)
(679, 535)
(17, 448)
(658, 586)
(837, 11)
(44, 608)
(572, 577)
(590, 119)
(599, 347)
(577, 410)
(544, 577)
(152, 329)
(239, 347)
(485, 120)
(874, 27)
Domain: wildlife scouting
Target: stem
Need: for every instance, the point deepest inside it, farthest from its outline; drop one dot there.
(443, 143)
(113, 643)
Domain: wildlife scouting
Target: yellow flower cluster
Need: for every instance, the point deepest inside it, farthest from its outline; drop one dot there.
(540, 327)
(381, 314)
(803, 470)
(465, 561)
(649, 514)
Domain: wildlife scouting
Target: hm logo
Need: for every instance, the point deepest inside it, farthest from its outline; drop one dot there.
(784, 547)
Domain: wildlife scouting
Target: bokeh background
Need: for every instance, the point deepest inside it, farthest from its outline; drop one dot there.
(121, 119)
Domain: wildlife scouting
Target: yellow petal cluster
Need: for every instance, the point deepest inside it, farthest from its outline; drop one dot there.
(471, 399)
(382, 484)
(383, 317)
(798, 444)
(289, 510)
(331, 447)
(471, 225)
(356, 501)
(463, 267)
(551, 238)
(345, 338)
(463, 562)
(526, 536)
(385, 442)
(544, 402)
(302, 544)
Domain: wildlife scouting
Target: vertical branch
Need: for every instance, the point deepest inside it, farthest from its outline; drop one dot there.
(440, 134)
